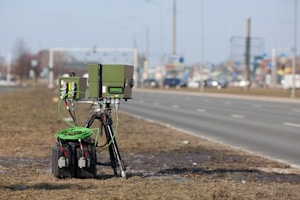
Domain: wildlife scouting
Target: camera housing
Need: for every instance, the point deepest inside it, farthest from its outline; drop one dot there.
(110, 79)
(103, 80)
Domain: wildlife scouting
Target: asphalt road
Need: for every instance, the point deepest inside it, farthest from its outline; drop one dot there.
(264, 126)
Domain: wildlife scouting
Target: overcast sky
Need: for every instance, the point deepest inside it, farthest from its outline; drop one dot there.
(118, 23)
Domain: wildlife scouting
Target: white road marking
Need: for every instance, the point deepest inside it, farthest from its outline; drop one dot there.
(175, 106)
(201, 110)
(296, 110)
(291, 124)
(237, 116)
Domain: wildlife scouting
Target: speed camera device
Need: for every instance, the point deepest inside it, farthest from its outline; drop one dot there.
(103, 80)
(74, 154)
(110, 79)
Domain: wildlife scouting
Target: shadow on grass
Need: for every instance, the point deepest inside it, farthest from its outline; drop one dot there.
(191, 171)
(235, 174)
(44, 186)
(167, 164)
(197, 170)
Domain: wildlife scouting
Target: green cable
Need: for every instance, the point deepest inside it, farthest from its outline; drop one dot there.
(59, 111)
(75, 132)
(117, 123)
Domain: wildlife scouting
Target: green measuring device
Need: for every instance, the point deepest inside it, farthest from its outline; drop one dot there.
(109, 80)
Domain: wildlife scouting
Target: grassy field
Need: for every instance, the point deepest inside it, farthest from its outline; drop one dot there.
(162, 163)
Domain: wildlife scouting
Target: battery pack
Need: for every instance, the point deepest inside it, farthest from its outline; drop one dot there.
(69, 160)
(86, 162)
(63, 162)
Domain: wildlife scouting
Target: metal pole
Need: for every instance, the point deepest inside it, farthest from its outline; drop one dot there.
(161, 30)
(274, 68)
(247, 59)
(135, 64)
(161, 37)
(147, 64)
(174, 28)
(8, 76)
(295, 49)
(51, 68)
(202, 49)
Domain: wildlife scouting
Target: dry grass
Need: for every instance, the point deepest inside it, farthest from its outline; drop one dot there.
(160, 165)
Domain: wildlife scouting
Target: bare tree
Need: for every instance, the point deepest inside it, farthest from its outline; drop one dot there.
(23, 59)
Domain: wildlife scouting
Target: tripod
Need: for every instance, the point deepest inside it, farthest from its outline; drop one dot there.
(101, 110)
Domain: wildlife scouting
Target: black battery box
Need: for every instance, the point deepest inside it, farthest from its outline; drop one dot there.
(70, 159)
(63, 160)
(86, 162)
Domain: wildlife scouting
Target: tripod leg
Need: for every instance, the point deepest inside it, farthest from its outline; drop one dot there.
(114, 152)
(90, 121)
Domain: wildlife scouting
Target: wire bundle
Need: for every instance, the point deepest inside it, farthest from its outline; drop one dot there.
(79, 133)
(74, 133)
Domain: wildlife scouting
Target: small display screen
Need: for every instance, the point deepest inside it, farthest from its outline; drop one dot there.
(115, 90)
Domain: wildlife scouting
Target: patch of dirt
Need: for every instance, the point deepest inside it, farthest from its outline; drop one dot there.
(162, 163)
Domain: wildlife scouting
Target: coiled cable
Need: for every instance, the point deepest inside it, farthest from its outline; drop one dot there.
(74, 132)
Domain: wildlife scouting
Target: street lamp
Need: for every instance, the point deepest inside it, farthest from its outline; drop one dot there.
(133, 35)
(141, 24)
(202, 47)
(161, 29)
(147, 38)
(295, 49)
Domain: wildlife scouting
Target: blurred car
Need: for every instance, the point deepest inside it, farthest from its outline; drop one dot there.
(183, 84)
(214, 83)
(150, 83)
(194, 84)
(171, 82)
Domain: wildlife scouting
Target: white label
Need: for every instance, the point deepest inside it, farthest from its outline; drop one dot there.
(103, 89)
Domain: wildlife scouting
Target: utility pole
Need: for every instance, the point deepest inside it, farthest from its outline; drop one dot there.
(51, 63)
(147, 65)
(274, 68)
(161, 30)
(295, 50)
(247, 58)
(174, 28)
(201, 65)
(8, 75)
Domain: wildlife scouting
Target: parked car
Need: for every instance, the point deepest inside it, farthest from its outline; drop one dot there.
(214, 83)
(171, 82)
(150, 83)
(287, 81)
(194, 84)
